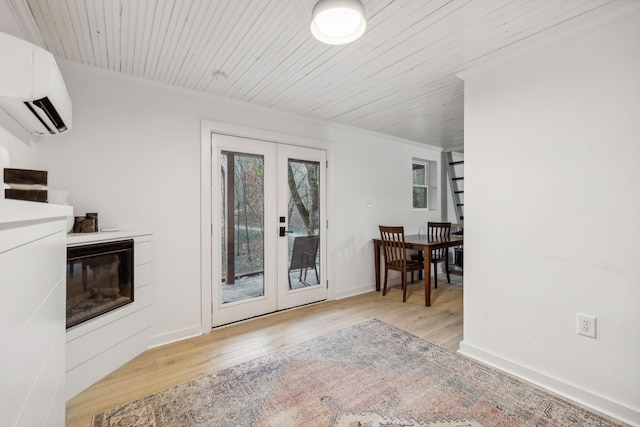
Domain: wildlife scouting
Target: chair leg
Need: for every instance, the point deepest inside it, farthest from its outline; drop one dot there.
(435, 275)
(412, 277)
(404, 287)
(386, 274)
(446, 266)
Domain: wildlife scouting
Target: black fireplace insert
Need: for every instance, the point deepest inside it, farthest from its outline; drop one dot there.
(99, 279)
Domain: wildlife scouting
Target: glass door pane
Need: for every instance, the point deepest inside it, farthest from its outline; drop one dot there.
(302, 212)
(242, 226)
(244, 233)
(303, 178)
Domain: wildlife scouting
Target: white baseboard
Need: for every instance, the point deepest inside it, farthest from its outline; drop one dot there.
(350, 292)
(175, 336)
(598, 403)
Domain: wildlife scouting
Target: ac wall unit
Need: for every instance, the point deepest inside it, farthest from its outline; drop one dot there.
(32, 90)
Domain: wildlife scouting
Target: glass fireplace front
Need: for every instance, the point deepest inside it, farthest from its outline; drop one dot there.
(99, 279)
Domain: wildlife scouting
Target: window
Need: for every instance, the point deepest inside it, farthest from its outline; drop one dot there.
(420, 185)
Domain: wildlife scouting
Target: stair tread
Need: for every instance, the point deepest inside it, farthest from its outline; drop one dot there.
(459, 162)
(459, 192)
(457, 178)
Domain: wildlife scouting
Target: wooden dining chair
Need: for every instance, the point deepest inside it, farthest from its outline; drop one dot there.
(439, 230)
(395, 257)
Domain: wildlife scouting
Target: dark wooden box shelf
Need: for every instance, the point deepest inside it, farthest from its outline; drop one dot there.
(35, 178)
(28, 195)
(25, 176)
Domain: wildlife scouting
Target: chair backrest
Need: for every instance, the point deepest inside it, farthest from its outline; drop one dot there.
(304, 253)
(439, 230)
(393, 245)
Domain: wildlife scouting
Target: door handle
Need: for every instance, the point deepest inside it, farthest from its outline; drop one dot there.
(283, 232)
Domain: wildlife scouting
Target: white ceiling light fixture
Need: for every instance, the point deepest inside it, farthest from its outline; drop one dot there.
(338, 21)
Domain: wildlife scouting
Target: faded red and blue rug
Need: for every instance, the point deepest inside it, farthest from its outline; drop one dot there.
(368, 375)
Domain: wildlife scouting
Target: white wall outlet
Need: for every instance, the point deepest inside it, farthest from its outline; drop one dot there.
(586, 325)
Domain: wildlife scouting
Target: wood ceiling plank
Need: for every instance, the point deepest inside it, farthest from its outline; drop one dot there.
(175, 27)
(111, 15)
(199, 40)
(407, 69)
(40, 10)
(144, 15)
(527, 21)
(233, 27)
(185, 39)
(127, 37)
(159, 32)
(207, 43)
(95, 16)
(293, 72)
(254, 39)
(60, 13)
(349, 77)
(242, 61)
(278, 63)
(78, 15)
(237, 44)
(377, 66)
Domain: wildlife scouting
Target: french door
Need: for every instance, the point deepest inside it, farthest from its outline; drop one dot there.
(269, 221)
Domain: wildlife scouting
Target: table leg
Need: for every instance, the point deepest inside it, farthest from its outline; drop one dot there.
(376, 256)
(427, 276)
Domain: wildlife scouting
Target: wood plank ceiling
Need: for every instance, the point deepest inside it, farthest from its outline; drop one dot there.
(398, 79)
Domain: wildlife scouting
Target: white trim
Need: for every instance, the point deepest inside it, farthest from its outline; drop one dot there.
(359, 290)
(553, 384)
(456, 149)
(207, 127)
(240, 131)
(175, 336)
(206, 230)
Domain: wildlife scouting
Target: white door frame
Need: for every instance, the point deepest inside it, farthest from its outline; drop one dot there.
(207, 127)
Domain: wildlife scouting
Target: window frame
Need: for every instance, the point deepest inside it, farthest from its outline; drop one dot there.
(425, 164)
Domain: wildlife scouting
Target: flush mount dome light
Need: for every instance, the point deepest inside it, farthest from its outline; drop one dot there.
(338, 21)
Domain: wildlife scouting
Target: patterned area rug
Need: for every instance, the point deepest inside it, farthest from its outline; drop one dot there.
(368, 375)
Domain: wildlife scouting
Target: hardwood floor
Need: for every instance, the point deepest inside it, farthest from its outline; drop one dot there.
(165, 366)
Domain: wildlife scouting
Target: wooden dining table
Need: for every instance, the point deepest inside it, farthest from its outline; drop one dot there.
(423, 243)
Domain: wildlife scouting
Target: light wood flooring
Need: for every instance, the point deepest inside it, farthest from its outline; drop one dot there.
(163, 367)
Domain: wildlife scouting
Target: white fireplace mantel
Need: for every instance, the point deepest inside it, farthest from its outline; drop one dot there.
(100, 345)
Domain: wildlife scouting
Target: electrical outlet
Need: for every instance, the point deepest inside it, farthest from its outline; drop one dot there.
(586, 325)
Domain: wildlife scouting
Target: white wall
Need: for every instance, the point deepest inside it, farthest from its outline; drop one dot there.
(552, 196)
(18, 143)
(133, 156)
(15, 139)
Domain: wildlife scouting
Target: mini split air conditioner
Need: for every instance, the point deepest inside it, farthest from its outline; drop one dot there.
(32, 90)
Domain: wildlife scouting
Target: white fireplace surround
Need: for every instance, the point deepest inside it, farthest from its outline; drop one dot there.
(100, 345)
